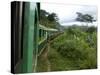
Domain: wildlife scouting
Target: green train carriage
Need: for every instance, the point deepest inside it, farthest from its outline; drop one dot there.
(28, 37)
(44, 36)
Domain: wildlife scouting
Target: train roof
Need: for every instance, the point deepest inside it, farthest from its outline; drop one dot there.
(47, 29)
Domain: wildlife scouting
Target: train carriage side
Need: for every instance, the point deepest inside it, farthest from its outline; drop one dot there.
(44, 35)
(24, 35)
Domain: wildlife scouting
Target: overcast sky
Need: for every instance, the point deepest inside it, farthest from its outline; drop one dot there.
(67, 12)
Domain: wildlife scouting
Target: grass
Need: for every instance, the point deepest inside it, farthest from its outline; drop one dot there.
(42, 63)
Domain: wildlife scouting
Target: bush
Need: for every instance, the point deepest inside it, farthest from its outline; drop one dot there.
(80, 52)
(73, 49)
(91, 61)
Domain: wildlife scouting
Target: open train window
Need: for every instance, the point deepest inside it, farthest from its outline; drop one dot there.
(39, 33)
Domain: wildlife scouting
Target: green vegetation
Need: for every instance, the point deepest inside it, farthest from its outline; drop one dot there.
(75, 49)
(49, 20)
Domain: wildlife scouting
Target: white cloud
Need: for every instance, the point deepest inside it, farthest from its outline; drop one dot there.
(67, 12)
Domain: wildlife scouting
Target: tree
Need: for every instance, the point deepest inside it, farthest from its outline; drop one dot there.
(92, 29)
(49, 19)
(79, 17)
(84, 18)
(52, 17)
(43, 14)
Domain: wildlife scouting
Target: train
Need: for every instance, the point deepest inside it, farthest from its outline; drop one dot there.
(28, 37)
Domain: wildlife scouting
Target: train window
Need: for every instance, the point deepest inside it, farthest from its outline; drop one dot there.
(39, 33)
(43, 32)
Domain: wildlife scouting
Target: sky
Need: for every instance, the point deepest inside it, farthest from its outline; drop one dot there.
(67, 12)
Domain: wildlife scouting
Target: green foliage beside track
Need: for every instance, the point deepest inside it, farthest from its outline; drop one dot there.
(75, 49)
